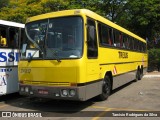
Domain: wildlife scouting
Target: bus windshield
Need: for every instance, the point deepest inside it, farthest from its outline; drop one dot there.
(56, 38)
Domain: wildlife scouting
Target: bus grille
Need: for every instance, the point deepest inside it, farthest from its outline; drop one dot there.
(46, 83)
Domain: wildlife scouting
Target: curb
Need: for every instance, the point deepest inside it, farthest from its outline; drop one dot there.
(151, 76)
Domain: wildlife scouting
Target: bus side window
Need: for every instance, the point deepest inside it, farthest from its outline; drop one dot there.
(3, 41)
(116, 39)
(121, 40)
(3, 37)
(131, 43)
(104, 35)
(126, 42)
(110, 38)
(92, 51)
(13, 37)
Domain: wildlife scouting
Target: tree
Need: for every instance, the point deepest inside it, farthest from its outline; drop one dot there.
(154, 59)
(20, 10)
(3, 3)
(111, 9)
(54, 5)
(143, 17)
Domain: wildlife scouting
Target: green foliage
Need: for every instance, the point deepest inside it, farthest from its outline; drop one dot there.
(144, 17)
(140, 17)
(54, 5)
(20, 10)
(3, 3)
(154, 58)
(32, 1)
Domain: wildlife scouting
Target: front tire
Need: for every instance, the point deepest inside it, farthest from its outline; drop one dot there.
(106, 88)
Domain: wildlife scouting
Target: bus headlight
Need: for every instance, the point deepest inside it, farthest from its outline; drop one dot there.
(22, 89)
(72, 92)
(26, 89)
(64, 92)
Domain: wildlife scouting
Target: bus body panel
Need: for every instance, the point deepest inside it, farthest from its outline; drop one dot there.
(9, 57)
(123, 68)
(8, 80)
(50, 71)
(8, 71)
(53, 78)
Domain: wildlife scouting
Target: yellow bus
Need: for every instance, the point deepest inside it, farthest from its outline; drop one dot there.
(77, 55)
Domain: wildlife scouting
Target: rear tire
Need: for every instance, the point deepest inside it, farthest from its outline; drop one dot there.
(141, 75)
(138, 75)
(106, 88)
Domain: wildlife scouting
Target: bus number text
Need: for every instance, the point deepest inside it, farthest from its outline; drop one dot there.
(25, 70)
(123, 54)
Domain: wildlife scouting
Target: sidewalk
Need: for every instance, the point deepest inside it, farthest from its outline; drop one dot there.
(152, 74)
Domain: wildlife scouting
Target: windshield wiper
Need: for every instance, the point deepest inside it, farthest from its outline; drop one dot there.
(55, 54)
(35, 44)
(30, 58)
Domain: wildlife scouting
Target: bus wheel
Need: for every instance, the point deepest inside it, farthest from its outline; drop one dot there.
(141, 74)
(106, 88)
(138, 75)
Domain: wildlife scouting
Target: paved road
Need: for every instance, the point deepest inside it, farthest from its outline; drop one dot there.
(143, 95)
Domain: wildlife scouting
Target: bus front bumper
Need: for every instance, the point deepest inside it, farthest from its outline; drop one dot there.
(60, 92)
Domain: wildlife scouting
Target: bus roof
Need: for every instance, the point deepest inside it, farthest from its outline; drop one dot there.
(13, 24)
(87, 13)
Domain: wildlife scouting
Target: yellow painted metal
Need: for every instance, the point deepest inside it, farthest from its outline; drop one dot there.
(73, 71)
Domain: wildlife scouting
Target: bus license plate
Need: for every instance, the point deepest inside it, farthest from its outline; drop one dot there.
(44, 92)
